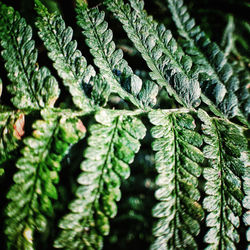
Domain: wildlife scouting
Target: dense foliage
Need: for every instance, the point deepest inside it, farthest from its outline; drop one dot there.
(70, 131)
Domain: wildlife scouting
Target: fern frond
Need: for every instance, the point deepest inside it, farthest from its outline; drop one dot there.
(227, 43)
(243, 91)
(112, 146)
(225, 142)
(218, 81)
(178, 164)
(110, 61)
(246, 200)
(31, 87)
(169, 65)
(34, 183)
(11, 131)
(68, 60)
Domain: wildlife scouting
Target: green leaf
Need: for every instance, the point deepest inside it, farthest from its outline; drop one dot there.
(101, 91)
(160, 51)
(224, 146)
(68, 60)
(218, 81)
(243, 92)
(227, 42)
(31, 87)
(34, 183)
(246, 200)
(112, 66)
(177, 161)
(112, 146)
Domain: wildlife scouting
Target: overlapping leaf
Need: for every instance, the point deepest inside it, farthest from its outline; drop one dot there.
(31, 87)
(225, 143)
(178, 164)
(169, 66)
(218, 81)
(36, 178)
(68, 60)
(113, 67)
(112, 146)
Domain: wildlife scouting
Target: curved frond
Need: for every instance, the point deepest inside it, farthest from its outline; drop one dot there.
(178, 164)
(112, 145)
(169, 66)
(113, 67)
(34, 183)
(31, 87)
(68, 60)
(218, 81)
(225, 143)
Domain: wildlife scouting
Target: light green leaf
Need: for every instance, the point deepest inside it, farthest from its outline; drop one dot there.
(223, 180)
(177, 160)
(112, 146)
(32, 88)
(35, 180)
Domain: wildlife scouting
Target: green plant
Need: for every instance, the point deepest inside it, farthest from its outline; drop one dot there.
(199, 140)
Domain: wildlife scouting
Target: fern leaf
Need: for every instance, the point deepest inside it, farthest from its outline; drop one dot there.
(11, 131)
(34, 183)
(148, 94)
(68, 61)
(166, 64)
(112, 146)
(177, 162)
(110, 61)
(100, 91)
(31, 87)
(246, 200)
(243, 91)
(227, 42)
(225, 143)
(218, 82)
